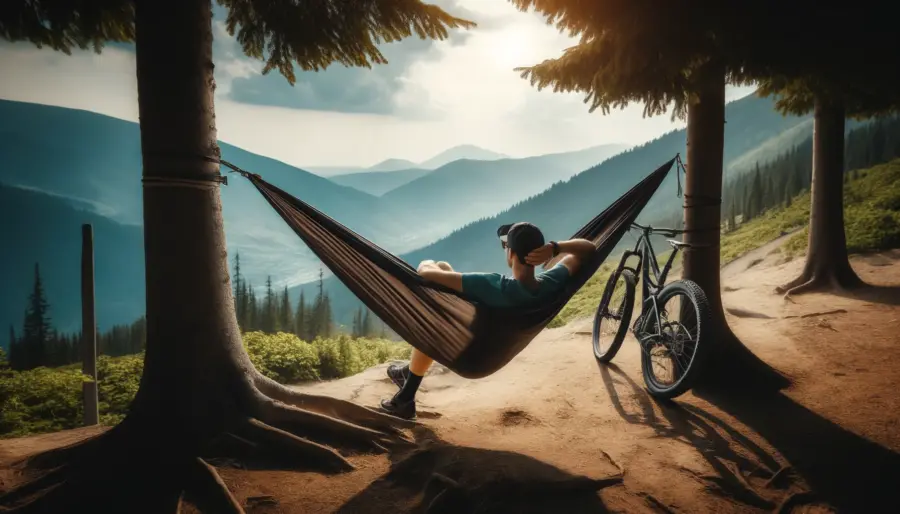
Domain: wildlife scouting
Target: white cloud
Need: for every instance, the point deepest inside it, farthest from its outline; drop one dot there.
(467, 93)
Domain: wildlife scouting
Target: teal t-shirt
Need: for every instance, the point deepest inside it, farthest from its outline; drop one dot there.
(498, 290)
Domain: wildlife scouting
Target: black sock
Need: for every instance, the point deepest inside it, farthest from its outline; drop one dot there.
(409, 387)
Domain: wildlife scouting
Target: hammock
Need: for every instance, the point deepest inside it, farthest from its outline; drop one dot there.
(472, 340)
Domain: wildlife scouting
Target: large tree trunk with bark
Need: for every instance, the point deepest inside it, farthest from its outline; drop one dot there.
(827, 265)
(730, 362)
(200, 397)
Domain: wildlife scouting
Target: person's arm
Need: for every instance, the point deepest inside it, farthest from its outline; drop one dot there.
(573, 251)
(430, 271)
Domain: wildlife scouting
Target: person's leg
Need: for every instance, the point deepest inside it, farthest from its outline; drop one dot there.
(410, 377)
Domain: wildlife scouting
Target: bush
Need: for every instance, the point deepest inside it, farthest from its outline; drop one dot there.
(40, 400)
(49, 399)
(282, 357)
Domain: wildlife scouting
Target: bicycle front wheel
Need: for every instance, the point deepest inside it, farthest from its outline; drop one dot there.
(674, 349)
(613, 315)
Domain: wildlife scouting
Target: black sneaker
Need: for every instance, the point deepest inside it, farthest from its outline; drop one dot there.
(400, 409)
(398, 374)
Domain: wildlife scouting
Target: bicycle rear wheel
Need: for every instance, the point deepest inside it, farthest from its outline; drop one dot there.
(613, 315)
(678, 345)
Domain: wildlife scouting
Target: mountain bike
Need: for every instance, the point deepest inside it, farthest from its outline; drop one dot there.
(674, 345)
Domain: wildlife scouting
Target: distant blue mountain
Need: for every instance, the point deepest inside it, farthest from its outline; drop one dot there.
(81, 167)
(753, 128)
(44, 229)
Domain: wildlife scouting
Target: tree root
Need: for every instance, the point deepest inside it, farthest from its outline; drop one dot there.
(332, 407)
(330, 430)
(795, 499)
(825, 280)
(46, 481)
(206, 490)
(134, 464)
(325, 459)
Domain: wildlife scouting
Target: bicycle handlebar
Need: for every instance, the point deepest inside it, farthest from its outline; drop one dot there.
(670, 232)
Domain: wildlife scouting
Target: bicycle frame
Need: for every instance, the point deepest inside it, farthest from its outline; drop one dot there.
(652, 278)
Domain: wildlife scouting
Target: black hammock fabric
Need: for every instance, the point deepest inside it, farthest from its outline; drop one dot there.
(472, 340)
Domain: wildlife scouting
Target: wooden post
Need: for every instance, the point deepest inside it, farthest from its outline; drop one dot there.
(88, 327)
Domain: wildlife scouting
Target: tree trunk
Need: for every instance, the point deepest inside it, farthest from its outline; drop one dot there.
(199, 395)
(827, 265)
(702, 207)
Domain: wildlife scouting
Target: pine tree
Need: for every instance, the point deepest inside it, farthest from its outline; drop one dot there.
(357, 322)
(300, 319)
(239, 304)
(325, 329)
(732, 216)
(286, 314)
(270, 309)
(252, 310)
(367, 330)
(36, 329)
(317, 322)
(15, 355)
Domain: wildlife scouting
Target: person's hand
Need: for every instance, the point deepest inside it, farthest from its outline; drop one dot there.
(540, 255)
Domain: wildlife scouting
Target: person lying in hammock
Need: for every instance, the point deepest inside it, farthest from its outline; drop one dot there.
(525, 248)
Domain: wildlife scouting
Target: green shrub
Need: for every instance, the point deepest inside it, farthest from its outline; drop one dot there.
(282, 357)
(49, 399)
(40, 400)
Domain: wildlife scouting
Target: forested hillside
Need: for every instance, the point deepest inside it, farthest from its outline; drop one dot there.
(564, 207)
(781, 175)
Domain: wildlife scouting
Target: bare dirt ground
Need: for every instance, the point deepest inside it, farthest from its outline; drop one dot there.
(542, 434)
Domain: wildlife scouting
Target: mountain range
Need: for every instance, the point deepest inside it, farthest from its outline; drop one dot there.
(85, 168)
(63, 167)
(471, 152)
(754, 132)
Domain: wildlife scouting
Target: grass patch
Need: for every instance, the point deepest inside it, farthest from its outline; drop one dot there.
(871, 222)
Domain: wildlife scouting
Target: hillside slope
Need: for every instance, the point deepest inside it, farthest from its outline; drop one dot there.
(469, 152)
(94, 162)
(466, 190)
(379, 182)
(567, 205)
(56, 246)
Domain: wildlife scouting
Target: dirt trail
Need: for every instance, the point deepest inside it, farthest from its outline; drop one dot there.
(531, 437)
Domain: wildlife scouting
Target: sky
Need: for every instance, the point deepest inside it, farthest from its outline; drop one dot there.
(432, 95)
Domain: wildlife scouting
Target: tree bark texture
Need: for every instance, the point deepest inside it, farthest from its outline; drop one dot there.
(730, 364)
(200, 397)
(827, 265)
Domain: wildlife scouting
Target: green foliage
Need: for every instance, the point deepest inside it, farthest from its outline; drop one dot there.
(67, 24)
(317, 34)
(283, 357)
(49, 399)
(871, 217)
(119, 379)
(311, 34)
(657, 53)
(767, 227)
(343, 356)
(40, 400)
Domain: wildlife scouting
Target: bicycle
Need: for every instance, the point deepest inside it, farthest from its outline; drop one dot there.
(656, 334)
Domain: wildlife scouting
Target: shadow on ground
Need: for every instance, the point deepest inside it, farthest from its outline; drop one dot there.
(846, 471)
(440, 478)
(887, 295)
